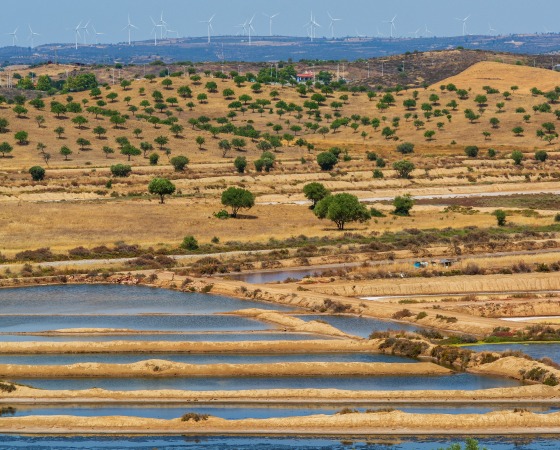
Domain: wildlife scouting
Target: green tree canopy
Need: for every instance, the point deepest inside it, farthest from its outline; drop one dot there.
(161, 187)
(341, 209)
(237, 199)
(315, 192)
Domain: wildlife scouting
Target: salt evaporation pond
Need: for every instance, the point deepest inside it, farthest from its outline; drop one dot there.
(462, 381)
(118, 299)
(272, 442)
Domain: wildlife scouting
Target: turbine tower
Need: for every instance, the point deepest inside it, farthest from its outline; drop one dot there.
(249, 27)
(97, 34)
(464, 24)
(77, 34)
(312, 26)
(392, 25)
(270, 19)
(492, 30)
(333, 22)
(155, 30)
(210, 27)
(129, 27)
(14, 36)
(86, 32)
(32, 35)
(162, 24)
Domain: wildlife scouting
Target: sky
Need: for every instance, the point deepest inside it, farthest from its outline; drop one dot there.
(56, 20)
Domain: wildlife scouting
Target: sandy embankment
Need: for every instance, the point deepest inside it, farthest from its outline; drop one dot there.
(161, 368)
(534, 394)
(241, 347)
(513, 367)
(394, 422)
(504, 308)
(293, 323)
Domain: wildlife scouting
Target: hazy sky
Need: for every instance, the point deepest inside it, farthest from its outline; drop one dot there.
(55, 20)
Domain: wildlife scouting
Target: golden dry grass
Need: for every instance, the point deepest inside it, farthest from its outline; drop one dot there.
(459, 129)
(504, 76)
(28, 219)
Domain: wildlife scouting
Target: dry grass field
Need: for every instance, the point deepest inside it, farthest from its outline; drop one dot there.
(79, 203)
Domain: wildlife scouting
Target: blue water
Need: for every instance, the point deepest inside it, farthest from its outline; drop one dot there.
(117, 299)
(234, 412)
(124, 358)
(358, 326)
(536, 351)
(139, 323)
(201, 337)
(463, 381)
(271, 443)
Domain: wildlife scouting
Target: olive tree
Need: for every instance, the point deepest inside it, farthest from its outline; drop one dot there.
(161, 187)
(341, 209)
(237, 199)
(315, 192)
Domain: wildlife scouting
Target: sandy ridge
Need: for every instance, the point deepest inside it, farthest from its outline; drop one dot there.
(241, 347)
(162, 368)
(367, 423)
(534, 393)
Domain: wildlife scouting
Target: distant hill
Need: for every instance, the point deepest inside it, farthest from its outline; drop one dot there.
(234, 48)
(502, 76)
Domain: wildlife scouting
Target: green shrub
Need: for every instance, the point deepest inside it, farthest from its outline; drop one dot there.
(471, 151)
(405, 148)
(179, 163)
(374, 212)
(222, 214)
(154, 159)
(37, 173)
(378, 174)
(189, 243)
(121, 170)
(327, 160)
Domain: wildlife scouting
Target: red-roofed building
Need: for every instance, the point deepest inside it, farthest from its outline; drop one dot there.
(305, 76)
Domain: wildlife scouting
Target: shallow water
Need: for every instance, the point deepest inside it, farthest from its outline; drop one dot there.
(358, 326)
(536, 351)
(236, 412)
(138, 323)
(117, 299)
(271, 443)
(456, 381)
(194, 337)
(46, 359)
(277, 277)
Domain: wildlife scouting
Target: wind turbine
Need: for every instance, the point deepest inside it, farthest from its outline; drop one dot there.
(97, 34)
(249, 27)
(312, 25)
(333, 21)
(210, 27)
(162, 24)
(464, 24)
(379, 34)
(14, 36)
(491, 30)
(392, 25)
(86, 32)
(270, 19)
(77, 33)
(129, 27)
(154, 30)
(32, 35)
